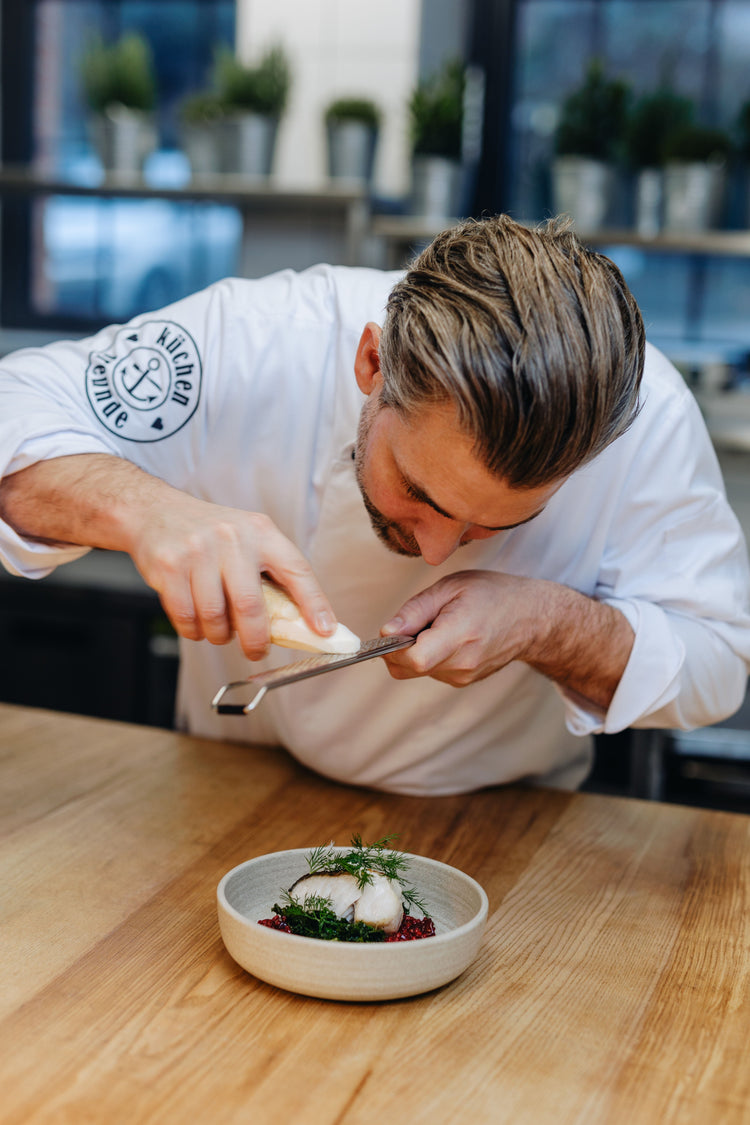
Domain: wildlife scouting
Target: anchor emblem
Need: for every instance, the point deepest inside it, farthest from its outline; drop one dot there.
(144, 384)
(143, 379)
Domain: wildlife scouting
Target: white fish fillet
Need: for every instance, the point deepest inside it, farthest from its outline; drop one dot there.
(341, 891)
(379, 903)
(290, 630)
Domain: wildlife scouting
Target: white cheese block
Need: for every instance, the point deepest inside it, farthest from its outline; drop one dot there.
(290, 630)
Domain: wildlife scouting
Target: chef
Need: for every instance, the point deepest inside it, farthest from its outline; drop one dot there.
(482, 452)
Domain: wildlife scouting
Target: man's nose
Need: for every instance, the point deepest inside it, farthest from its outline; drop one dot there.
(438, 539)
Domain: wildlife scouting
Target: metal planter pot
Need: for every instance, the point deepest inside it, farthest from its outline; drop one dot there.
(583, 188)
(202, 146)
(649, 197)
(437, 185)
(693, 196)
(123, 138)
(351, 150)
(248, 144)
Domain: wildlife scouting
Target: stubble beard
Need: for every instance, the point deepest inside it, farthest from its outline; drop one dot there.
(390, 534)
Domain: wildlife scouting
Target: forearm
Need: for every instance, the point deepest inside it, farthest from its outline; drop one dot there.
(581, 644)
(90, 500)
(204, 560)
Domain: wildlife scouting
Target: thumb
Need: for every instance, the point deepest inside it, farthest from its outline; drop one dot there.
(416, 614)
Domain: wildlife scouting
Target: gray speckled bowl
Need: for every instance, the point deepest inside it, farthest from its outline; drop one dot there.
(350, 971)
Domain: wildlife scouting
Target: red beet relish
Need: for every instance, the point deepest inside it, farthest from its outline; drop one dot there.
(411, 929)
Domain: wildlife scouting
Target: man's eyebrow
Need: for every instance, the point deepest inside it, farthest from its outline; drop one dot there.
(423, 497)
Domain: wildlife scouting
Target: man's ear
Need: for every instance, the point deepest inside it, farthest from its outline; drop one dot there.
(367, 360)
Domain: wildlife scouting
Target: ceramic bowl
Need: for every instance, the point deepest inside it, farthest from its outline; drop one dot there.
(350, 971)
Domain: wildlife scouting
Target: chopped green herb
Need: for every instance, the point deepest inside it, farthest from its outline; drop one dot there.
(321, 922)
(362, 860)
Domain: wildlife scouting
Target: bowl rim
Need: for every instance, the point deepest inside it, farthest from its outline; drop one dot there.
(354, 948)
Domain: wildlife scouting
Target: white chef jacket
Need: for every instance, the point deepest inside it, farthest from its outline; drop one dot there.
(244, 394)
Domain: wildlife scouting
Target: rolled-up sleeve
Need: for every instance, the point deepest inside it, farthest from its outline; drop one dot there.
(675, 564)
(40, 419)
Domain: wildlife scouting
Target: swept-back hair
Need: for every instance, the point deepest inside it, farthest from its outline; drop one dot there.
(536, 340)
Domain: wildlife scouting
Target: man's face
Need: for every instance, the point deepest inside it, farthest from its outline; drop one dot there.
(425, 490)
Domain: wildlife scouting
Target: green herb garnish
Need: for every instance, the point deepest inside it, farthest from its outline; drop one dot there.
(319, 921)
(361, 861)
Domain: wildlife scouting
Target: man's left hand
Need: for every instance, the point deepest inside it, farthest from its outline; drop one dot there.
(472, 623)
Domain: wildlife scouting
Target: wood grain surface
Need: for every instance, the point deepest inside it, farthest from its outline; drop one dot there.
(613, 984)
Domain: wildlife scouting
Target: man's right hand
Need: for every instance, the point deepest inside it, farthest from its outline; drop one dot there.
(203, 560)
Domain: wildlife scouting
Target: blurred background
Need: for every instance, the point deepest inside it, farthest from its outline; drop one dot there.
(150, 148)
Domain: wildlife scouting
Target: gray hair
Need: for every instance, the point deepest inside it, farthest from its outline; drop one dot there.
(536, 340)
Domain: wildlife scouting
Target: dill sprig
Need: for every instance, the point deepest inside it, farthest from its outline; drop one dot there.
(362, 860)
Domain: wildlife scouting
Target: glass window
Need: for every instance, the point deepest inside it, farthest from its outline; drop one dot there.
(108, 259)
(94, 259)
(701, 47)
(726, 303)
(182, 36)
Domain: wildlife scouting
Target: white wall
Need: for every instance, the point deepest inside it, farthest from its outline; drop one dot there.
(337, 48)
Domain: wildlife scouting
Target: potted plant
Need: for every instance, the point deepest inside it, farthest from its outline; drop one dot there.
(436, 113)
(119, 86)
(695, 177)
(254, 98)
(352, 126)
(201, 117)
(588, 143)
(651, 121)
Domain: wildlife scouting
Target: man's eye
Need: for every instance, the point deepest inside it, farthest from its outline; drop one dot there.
(413, 493)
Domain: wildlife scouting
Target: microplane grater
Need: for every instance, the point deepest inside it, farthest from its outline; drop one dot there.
(303, 670)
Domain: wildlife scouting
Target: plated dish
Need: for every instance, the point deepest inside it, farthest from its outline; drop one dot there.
(359, 894)
(342, 970)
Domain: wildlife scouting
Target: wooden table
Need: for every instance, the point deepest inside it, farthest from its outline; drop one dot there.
(613, 985)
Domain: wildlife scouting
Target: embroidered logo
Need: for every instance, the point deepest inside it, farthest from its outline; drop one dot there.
(146, 385)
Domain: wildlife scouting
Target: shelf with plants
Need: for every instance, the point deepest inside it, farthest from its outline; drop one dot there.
(650, 146)
(709, 243)
(400, 231)
(226, 187)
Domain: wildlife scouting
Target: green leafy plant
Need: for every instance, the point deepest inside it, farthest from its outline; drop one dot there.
(693, 143)
(353, 109)
(651, 122)
(436, 113)
(593, 117)
(263, 88)
(120, 73)
(201, 108)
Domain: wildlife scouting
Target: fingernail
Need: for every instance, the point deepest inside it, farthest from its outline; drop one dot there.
(395, 625)
(325, 623)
